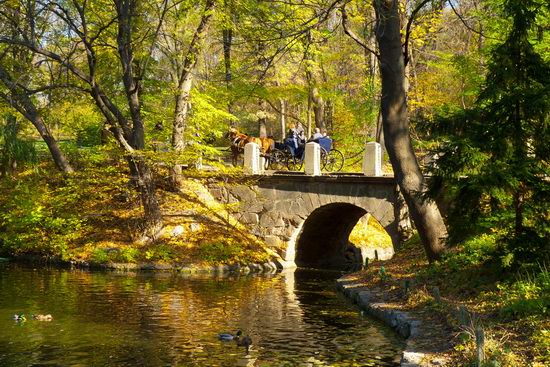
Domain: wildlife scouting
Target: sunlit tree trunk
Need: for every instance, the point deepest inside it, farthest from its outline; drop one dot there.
(185, 79)
(282, 104)
(308, 117)
(329, 114)
(185, 83)
(227, 35)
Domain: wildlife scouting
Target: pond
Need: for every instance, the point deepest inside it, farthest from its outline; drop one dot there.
(295, 318)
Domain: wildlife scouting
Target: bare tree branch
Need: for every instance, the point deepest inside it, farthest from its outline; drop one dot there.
(408, 29)
(467, 25)
(351, 34)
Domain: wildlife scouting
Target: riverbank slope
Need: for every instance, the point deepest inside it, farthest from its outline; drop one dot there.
(94, 217)
(450, 300)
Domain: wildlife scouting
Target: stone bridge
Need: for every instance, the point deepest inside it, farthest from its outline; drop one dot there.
(308, 219)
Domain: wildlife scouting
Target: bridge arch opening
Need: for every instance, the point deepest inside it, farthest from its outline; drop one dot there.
(324, 241)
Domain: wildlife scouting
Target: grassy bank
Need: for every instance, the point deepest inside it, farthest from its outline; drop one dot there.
(94, 216)
(467, 290)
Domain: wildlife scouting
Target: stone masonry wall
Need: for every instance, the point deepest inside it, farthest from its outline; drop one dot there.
(275, 208)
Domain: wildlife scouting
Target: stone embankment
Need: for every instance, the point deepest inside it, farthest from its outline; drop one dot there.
(413, 330)
(268, 267)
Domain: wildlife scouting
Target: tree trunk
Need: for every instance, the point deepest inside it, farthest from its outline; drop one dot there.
(19, 100)
(425, 214)
(125, 9)
(227, 44)
(185, 83)
(318, 107)
(142, 175)
(380, 130)
(144, 181)
(262, 126)
(180, 113)
(315, 101)
(59, 158)
(185, 78)
(309, 105)
(329, 114)
(262, 120)
(283, 118)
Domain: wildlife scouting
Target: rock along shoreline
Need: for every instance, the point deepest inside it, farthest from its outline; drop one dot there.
(267, 267)
(402, 322)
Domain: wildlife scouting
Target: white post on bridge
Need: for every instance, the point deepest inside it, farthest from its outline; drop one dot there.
(372, 160)
(252, 161)
(313, 159)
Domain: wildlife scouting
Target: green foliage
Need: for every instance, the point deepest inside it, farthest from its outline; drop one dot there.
(47, 214)
(89, 135)
(14, 150)
(473, 252)
(493, 158)
(35, 219)
(219, 252)
(127, 255)
(160, 253)
(100, 256)
(528, 295)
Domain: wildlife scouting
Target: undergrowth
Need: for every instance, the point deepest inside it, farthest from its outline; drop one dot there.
(93, 215)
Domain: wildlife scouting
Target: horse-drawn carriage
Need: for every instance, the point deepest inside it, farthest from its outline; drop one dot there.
(287, 155)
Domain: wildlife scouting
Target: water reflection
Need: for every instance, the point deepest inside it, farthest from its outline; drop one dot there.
(151, 319)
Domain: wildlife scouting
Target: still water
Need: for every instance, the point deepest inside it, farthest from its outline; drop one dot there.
(151, 319)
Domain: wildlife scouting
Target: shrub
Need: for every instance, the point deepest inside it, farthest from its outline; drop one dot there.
(127, 255)
(528, 295)
(34, 221)
(99, 255)
(476, 250)
(218, 252)
(88, 135)
(161, 253)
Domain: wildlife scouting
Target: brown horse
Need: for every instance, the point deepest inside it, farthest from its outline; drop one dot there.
(239, 140)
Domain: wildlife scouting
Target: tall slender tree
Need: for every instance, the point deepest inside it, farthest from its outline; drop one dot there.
(425, 213)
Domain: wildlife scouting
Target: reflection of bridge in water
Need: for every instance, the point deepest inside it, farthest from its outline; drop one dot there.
(309, 218)
(291, 316)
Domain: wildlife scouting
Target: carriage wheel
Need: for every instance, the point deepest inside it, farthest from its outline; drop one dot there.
(333, 161)
(293, 163)
(277, 160)
(324, 156)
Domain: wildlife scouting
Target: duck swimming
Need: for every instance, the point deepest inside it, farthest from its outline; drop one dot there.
(245, 341)
(19, 317)
(227, 337)
(47, 317)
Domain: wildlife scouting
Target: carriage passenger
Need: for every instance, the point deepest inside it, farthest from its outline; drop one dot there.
(316, 135)
(295, 139)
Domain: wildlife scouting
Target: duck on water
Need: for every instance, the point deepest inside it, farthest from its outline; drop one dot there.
(39, 317)
(242, 341)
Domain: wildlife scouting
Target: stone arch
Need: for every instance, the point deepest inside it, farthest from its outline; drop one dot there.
(280, 209)
(323, 241)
